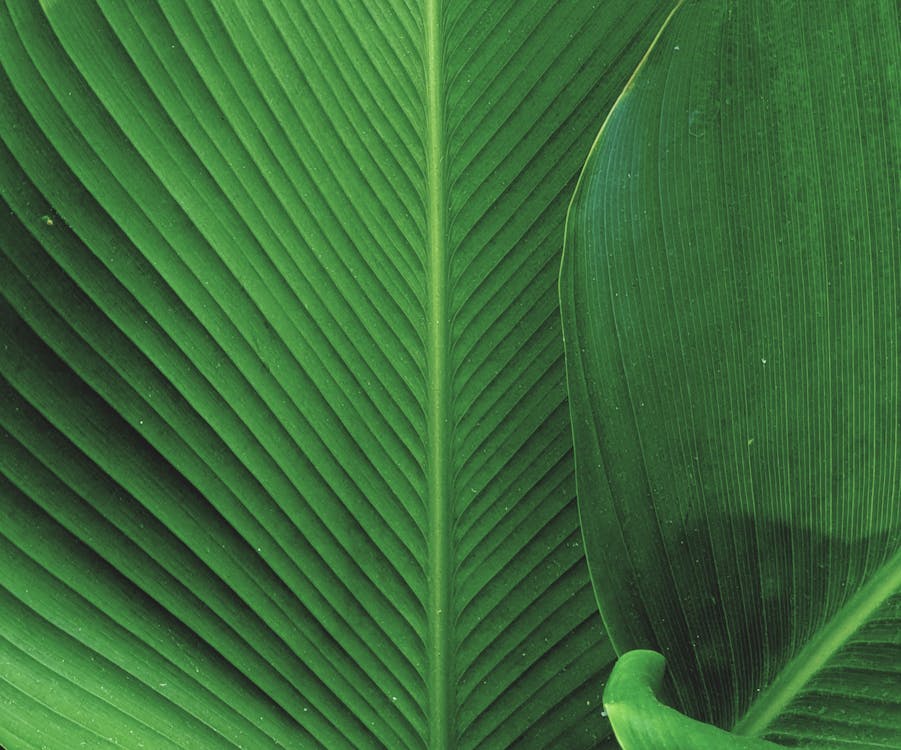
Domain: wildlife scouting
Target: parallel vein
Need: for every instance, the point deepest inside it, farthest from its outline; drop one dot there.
(283, 408)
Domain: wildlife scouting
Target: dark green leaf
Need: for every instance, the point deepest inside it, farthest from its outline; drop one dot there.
(732, 312)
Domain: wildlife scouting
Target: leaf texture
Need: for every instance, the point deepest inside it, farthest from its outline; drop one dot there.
(642, 722)
(731, 292)
(286, 455)
(855, 693)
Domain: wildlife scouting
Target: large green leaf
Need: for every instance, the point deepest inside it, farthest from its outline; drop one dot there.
(732, 310)
(287, 459)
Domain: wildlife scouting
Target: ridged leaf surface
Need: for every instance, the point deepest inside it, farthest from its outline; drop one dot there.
(286, 459)
(732, 311)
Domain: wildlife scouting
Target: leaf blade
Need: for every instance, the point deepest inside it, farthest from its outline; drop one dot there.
(730, 291)
(220, 315)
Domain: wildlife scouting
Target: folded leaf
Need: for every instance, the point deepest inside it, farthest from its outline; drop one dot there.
(642, 722)
(286, 459)
(731, 292)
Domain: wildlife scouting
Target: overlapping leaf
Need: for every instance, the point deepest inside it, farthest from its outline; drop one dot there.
(286, 459)
(732, 308)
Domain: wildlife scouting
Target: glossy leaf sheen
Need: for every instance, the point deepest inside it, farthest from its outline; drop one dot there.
(286, 460)
(731, 295)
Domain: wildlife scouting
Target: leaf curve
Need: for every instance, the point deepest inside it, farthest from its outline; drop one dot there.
(642, 722)
(731, 292)
(285, 452)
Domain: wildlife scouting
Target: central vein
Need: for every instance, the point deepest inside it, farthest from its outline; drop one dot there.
(439, 484)
(821, 648)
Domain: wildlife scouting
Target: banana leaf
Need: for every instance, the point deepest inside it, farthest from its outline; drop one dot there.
(731, 291)
(286, 459)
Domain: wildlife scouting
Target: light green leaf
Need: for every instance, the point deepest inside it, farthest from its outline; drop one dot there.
(642, 722)
(286, 459)
(731, 292)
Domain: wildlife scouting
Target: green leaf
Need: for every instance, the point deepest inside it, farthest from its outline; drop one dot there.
(286, 458)
(731, 292)
(642, 722)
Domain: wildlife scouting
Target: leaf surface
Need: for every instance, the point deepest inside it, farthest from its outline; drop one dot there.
(642, 722)
(286, 456)
(731, 292)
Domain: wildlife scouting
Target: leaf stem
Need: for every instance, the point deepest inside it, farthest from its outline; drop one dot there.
(821, 648)
(440, 519)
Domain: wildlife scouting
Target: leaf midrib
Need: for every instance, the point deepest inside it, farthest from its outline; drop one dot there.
(822, 647)
(438, 483)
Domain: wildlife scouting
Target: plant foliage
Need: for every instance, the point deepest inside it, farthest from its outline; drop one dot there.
(731, 296)
(286, 459)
